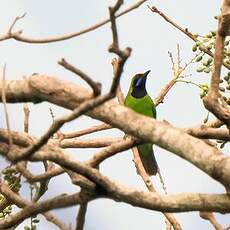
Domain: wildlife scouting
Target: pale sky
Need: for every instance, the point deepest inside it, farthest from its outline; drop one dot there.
(151, 38)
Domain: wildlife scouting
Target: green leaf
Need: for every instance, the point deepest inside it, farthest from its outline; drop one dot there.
(35, 220)
(226, 78)
(194, 48)
(222, 89)
(200, 69)
(207, 70)
(199, 58)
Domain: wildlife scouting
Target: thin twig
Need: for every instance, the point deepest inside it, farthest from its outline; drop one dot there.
(83, 132)
(58, 123)
(119, 93)
(170, 219)
(177, 69)
(109, 151)
(96, 86)
(14, 22)
(89, 143)
(80, 110)
(114, 47)
(186, 32)
(52, 114)
(19, 37)
(211, 218)
(35, 178)
(4, 104)
(53, 219)
(26, 117)
(81, 216)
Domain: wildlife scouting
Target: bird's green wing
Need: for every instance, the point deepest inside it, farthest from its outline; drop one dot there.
(144, 106)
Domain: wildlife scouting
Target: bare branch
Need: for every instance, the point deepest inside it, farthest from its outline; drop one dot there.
(224, 19)
(81, 216)
(31, 209)
(210, 161)
(96, 87)
(26, 117)
(53, 219)
(35, 178)
(90, 130)
(110, 151)
(19, 37)
(4, 103)
(89, 143)
(211, 218)
(214, 123)
(211, 100)
(177, 69)
(114, 47)
(170, 219)
(205, 132)
(186, 32)
(57, 124)
(14, 22)
(82, 210)
(149, 200)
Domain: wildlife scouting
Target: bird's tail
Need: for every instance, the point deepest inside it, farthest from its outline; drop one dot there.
(148, 159)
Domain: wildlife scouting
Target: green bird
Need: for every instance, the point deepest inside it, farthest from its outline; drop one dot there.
(139, 100)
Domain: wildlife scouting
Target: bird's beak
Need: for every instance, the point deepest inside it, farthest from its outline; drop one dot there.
(146, 73)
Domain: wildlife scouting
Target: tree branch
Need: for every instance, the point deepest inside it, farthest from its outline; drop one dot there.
(20, 202)
(204, 132)
(41, 177)
(19, 37)
(3, 96)
(31, 209)
(86, 131)
(186, 32)
(211, 218)
(89, 143)
(96, 87)
(58, 123)
(174, 140)
(149, 200)
(211, 100)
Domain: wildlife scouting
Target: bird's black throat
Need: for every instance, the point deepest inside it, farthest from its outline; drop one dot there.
(139, 92)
